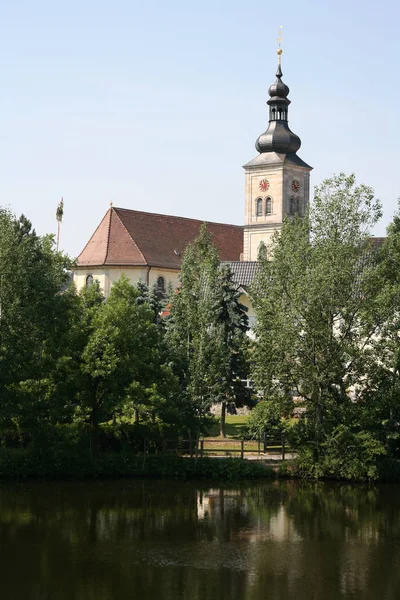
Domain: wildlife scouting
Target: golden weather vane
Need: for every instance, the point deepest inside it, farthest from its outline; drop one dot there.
(280, 38)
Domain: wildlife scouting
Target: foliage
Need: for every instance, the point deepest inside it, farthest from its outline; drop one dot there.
(81, 372)
(381, 395)
(207, 331)
(121, 364)
(345, 455)
(29, 463)
(351, 455)
(31, 319)
(310, 302)
(267, 418)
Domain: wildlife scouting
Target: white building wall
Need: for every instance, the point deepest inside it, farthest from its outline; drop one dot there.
(109, 275)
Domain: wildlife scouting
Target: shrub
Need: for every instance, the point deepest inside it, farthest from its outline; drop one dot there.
(33, 464)
(266, 418)
(344, 455)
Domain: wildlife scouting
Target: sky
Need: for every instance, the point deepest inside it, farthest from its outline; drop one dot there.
(156, 105)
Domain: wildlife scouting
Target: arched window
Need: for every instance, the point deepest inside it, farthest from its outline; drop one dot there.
(89, 280)
(298, 206)
(160, 284)
(268, 206)
(160, 288)
(259, 207)
(292, 206)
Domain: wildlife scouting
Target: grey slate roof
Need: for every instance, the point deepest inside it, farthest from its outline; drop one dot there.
(243, 272)
(275, 158)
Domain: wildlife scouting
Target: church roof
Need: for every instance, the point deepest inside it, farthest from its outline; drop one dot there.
(135, 238)
(243, 272)
(275, 158)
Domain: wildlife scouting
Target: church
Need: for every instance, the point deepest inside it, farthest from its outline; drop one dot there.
(148, 247)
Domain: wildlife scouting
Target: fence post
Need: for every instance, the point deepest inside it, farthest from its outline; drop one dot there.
(265, 442)
(190, 447)
(242, 449)
(259, 446)
(283, 448)
(201, 448)
(144, 453)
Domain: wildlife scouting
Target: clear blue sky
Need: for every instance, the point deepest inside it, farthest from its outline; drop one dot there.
(157, 105)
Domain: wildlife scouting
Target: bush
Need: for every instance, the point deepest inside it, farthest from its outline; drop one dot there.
(353, 456)
(32, 464)
(346, 454)
(266, 418)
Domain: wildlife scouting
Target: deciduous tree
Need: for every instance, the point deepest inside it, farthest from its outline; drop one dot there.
(310, 299)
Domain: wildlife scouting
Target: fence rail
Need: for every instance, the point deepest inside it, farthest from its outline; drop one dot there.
(228, 447)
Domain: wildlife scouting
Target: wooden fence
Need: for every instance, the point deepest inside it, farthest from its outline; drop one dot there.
(229, 447)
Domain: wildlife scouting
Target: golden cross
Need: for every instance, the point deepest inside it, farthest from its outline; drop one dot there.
(280, 38)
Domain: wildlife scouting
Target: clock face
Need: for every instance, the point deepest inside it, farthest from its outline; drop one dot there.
(295, 185)
(264, 185)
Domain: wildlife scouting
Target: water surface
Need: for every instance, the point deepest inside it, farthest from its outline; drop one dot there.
(168, 540)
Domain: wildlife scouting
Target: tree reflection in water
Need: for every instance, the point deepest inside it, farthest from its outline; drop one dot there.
(156, 539)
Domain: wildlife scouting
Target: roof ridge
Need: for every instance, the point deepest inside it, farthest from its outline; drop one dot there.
(130, 237)
(144, 212)
(108, 213)
(108, 234)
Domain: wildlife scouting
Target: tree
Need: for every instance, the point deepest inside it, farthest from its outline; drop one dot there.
(229, 344)
(207, 330)
(381, 392)
(310, 301)
(188, 327)
(32, 278)
(120, 359)
(267, 419)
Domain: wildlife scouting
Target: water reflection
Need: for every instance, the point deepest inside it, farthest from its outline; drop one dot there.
(145, 539)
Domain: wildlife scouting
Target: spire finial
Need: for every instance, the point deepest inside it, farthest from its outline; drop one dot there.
(111, 203)
(279, 51)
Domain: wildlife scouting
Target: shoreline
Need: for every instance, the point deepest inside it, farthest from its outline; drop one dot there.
(18, 464)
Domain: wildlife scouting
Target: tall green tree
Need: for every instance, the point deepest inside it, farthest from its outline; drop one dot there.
(310, 298)
(229, 345)
(32, 278)
(207, 330)
(188, 332)
(381, 391)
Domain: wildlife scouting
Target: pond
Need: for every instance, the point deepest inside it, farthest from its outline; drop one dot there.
(167, 540)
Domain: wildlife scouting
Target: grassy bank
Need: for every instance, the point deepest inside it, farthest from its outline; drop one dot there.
(233, 427)
(20, 464)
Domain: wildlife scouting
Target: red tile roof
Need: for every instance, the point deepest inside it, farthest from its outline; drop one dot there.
(134, 238)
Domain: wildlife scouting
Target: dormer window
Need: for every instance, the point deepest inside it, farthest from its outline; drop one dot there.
(268, 206)
(259, 207)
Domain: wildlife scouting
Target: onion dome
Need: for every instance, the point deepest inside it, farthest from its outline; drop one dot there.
(278, 89)
(278, 137)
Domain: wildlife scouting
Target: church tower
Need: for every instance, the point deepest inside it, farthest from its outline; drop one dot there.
(277, 180)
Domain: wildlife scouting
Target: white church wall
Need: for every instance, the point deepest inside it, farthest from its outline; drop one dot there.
(107, 277)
